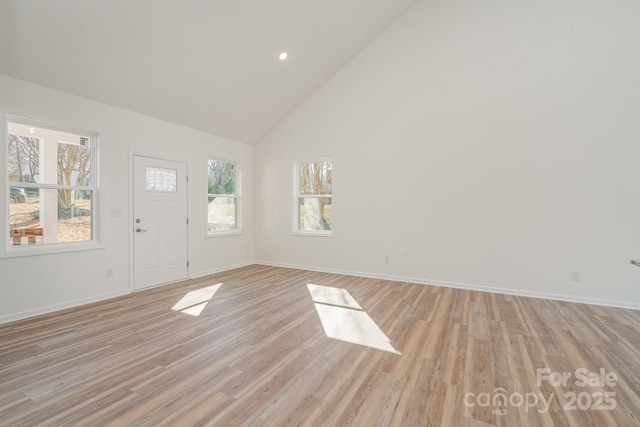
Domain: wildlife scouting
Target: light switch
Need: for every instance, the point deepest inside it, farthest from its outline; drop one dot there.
(117, 213)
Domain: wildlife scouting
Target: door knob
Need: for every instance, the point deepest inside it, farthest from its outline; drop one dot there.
(139, 230)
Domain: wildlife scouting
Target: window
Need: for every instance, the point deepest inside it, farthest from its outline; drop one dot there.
(223, 195)
(162, 180)
(313, 199)
(52, 185)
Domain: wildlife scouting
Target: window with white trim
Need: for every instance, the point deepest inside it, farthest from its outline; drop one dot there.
(52, 184)
(313, 197)
(223, 205)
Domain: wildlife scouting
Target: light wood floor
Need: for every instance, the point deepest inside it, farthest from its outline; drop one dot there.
(257, 355)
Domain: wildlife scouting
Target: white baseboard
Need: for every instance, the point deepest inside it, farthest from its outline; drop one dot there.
(559, 297)
(466, 286)
(62, 306)
(82, 301)
(220, 269)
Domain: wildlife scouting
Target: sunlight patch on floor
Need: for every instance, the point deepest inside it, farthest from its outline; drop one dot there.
(343, 319)
(195, 301)
(333, 296)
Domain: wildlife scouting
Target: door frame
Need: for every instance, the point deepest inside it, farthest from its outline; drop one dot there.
(130, 216)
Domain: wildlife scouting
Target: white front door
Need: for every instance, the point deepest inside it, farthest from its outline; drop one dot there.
(159, 221)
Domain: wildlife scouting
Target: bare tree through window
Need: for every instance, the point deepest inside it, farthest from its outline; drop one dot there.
(315, 196)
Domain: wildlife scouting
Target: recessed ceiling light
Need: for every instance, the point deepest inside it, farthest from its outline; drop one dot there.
(32, 130)
(283, 56)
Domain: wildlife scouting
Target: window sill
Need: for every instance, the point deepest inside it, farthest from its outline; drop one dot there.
(224, 234)
(54, 248)
(312, 234)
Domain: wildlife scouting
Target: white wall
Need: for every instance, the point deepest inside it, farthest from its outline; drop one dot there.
(38, 284)
(491, 144)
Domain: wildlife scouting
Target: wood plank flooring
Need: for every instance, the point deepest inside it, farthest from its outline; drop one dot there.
(257, 355)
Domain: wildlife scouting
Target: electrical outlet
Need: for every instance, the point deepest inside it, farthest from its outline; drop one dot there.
(109, 272)
(575, 276)
(387, 259)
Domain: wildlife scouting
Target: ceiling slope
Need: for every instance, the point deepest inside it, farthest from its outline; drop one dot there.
(209, 65)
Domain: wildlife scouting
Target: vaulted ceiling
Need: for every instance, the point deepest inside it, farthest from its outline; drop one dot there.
(208, 64)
